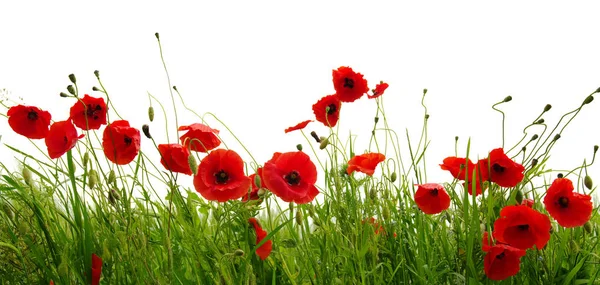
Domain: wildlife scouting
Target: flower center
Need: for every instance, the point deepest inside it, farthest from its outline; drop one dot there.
(222, 177)
(332, 109)
(498, 168)
(127, 140)
(293, 178)
(563, 202)
(500, 256)
(93, 111)
(523, 227)
(348, 83)
(32, 115)
(433, 192)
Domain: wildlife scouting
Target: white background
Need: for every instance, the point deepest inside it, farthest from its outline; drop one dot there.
(260, 65)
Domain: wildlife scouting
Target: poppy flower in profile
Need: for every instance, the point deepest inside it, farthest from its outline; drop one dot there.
(291, 176)
(327, 110)
(458, 166)
(349, 85)
(96, 269)
(432, 198)
(365, 163)
(570, 209)
(378, 91)
(502, 170)
(121, 142)
(174, 157)
(501, 261)
(201, 137)
(89, 113)
(254, 192)
(61, 137)
(29, 121)
(299, 126)
(522, 227)
(221, 176)
(264, 250)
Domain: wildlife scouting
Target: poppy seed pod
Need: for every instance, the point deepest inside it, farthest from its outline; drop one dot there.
(97, 73)
(94, 88)
(376, 120)
(587, 181)
(64, 95)
(72, 78)
(146, 131)
(547, 108)
(507, 99)
(588, 100)
(261, 192)
(299, 147)
(595, 149)
(534, 137)
(157, 36)
(540, 121)
(556, 137)
(151, 113)
(71, 89)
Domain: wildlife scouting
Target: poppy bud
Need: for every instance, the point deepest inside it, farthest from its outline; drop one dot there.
(151, 113)
(547, 108)
(71, 89)
(574, 246)
(426, 116)
(257, 181)
(456, 138)
(27, 175)
(324, 143)
(376, 120)
(424, 91)
(588, 227)
(146, 130)
(111, 177)
(97, 73)
(175, 88)
(157, 36)
(314, 135)
(86, 159)
(386, 213)
(94, 88)
(556, 137)
(299, 147)
(193, 164)
(534, 137)
(595, 149)
(560, 175)
(63, 268)
(113, 196)
(8, 211)
(519, 197)
(587, 181)
(507, 99)
(238, 252)
(588, 100)
(72, 78)
(261, 192)
(291, 206)
(93, 178)
(311, 211)
(393, 177)
(373, 194)
(448, 217)
(64, 95)
(299, 217)
(540, 121)
(534, 162)
(524, 148)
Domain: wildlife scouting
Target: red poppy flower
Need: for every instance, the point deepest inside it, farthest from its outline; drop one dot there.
(174, 157)
(327, 110)
(502, 261)
(221, 176)
(89, 113)
(348, 84)
(264, 250)
(432, 198)
(202, 137)
(502, 170)
(378, 228)
(298, 126)
(121, 142)
(254, 192)
(458, 166)
(96, 269)
(522, 227)
(291, 176)
(61, 137)
(365, 163)
(378, 91)
(570, 209)
(29, 121)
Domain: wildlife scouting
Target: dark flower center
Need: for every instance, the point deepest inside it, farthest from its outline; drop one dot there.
(500, 256)
(563, 202)
(293, 178)
(222, 177)
(433, 192)
(332, 109)
(32, 115)
(523, 227)
(127, 140)
(498, 168)
(93, 111)
(348, 82)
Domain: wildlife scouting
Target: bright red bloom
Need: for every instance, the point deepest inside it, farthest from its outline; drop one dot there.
(432, 198)
(299, 126)
(221, 176)
(570, 209)
(89, 113)
(96, 269)
(522, 227)
(502, 170)
(348, 84)
(61, 137)
(264, 250)
(291, 176)
(458, 166)
(378, 91)
(502, 261)
(327, 110)
(202, 137)
(29, 121)
(175, 157)
(378, 228)
(254, 193)
(121, 142)
(365, 163)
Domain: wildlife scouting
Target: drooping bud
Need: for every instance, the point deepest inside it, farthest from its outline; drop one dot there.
(63, 268)
(507, 99)
(386, 213)
(588, 100)
(111, 177)
(64, 95)
(540, 121)
(373, 194)
(587, 181)
(311, 211)
(257, 181)
(547, 108)
(94, 88)
(519, 197)
(393, 177)
(534, 137)
(7, 210)
(151, 113)
(574, 246)
(588, 227)
(288, 243)
(238, 252)
(72, 78)
(71, 89)
(92, 178)
(146, 130)
(324, 143)
(86, 159)
(299, 217)
(299, 147)
(105, 250)
(27, 175)
(193, 164)
(314, 135)
(113, 196)
(175, 88)
(261, 192)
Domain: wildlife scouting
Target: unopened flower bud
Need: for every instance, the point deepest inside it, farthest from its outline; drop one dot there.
(534, 162)
(507, 99)
(311, 211)
(556, 137)
(373, 194)
(7, 210)
(587, 181)
(257, 181)
(291, 207)
(113, 196)
(595, 149)
(97, 73)
(71, 89)
(540, 121)
(524, 148)
(299, 147)
(456, 138)
(426, 116)
(111, 177)
(588, 100)
(393, 177)
(299, 217)
(588, 227)
(27, 175)
(534, 137)
(424, 91)
(574, 246)
(86, 159)
(238, 252)
(157, 36)
(261, 192)
(63, 268)
(175, 88)
(324, 143)
(193, 164)
(64, 95)
(151, 113)
(314, 135)
(146, 130)
(547, 108)
(386, 213)
(519, 197)
(93, 178)
(94, 88)
(72, 78)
